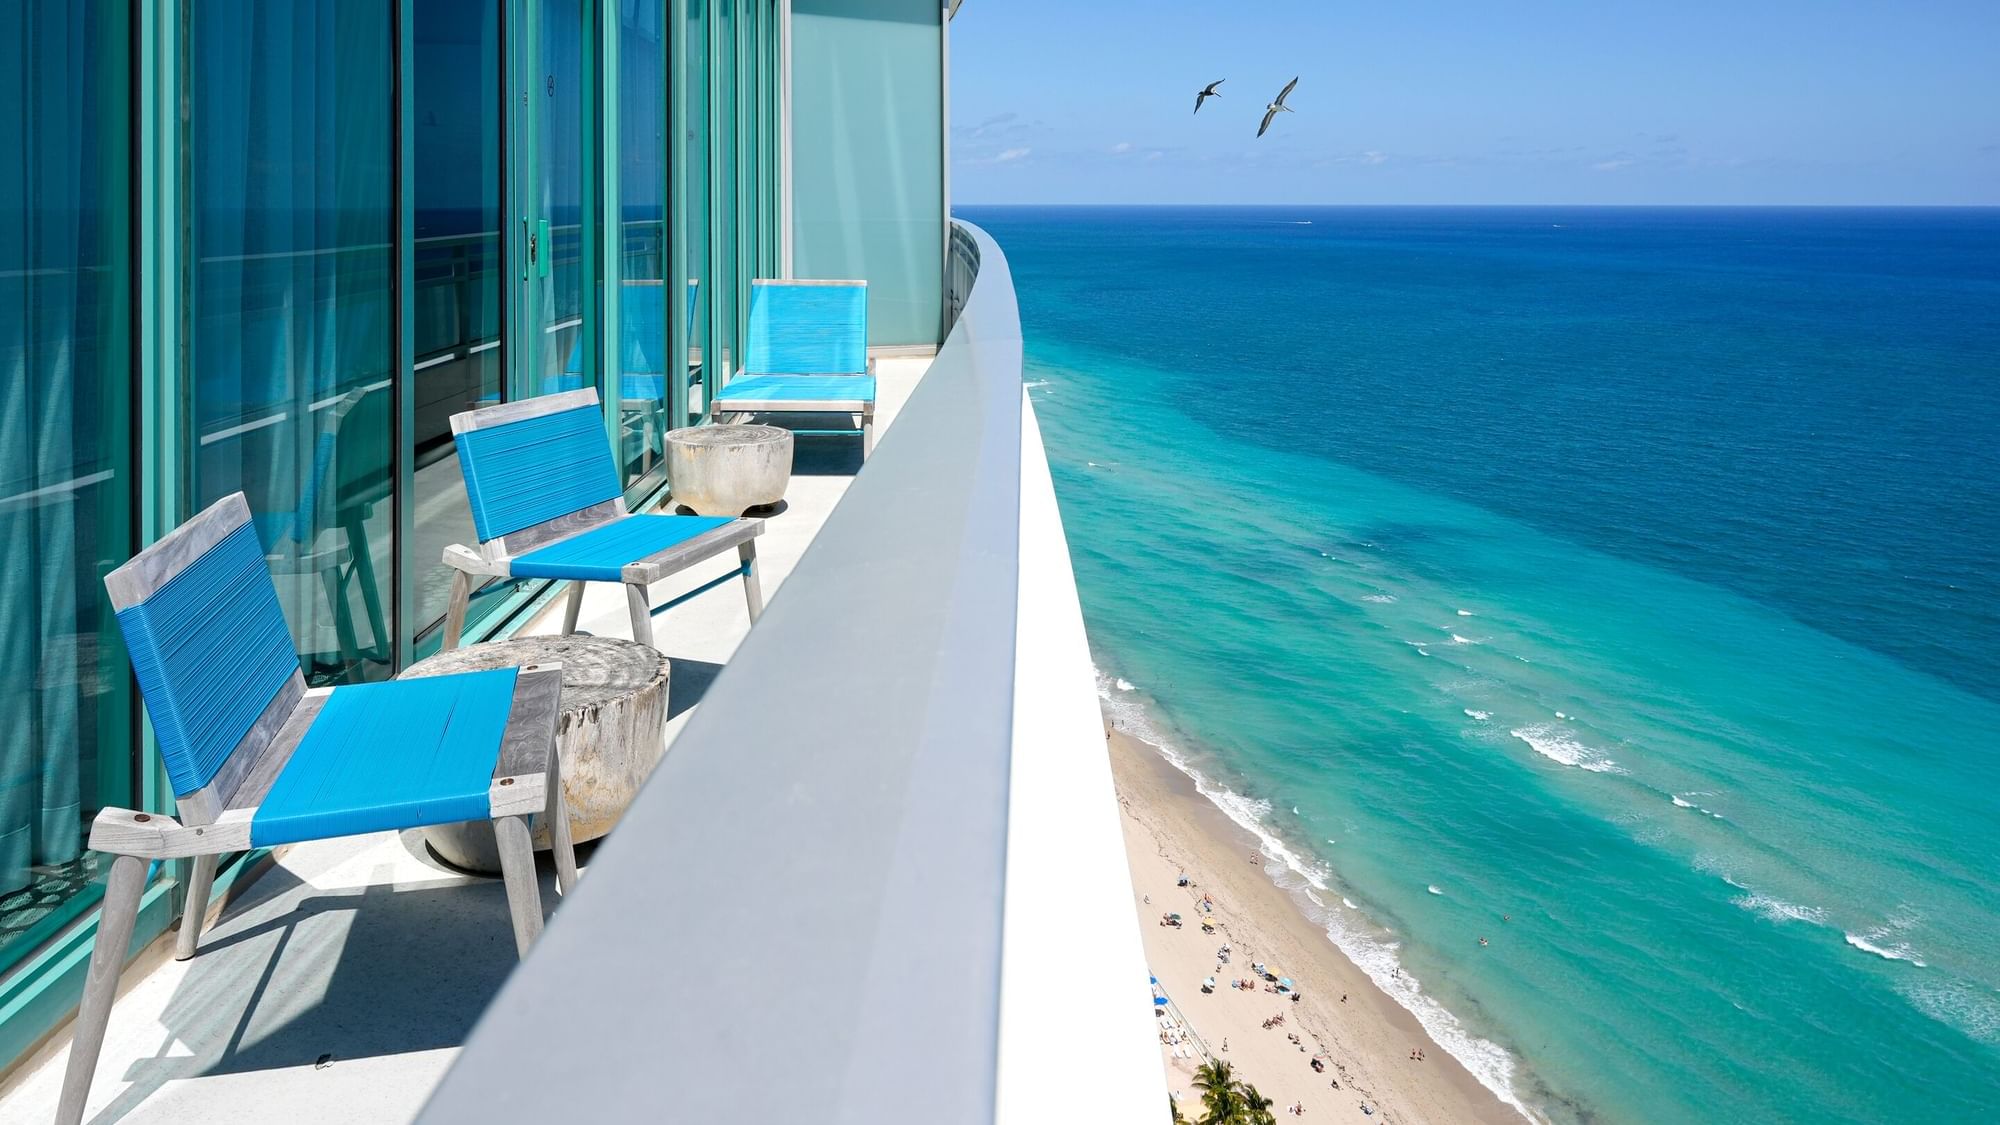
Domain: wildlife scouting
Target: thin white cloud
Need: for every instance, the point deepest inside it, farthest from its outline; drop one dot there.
(1011, 154)
(1121, 148)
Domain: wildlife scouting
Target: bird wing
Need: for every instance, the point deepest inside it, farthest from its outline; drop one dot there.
(1198, 99)
(1212, 85)
(1268, 115)
(1287, 91)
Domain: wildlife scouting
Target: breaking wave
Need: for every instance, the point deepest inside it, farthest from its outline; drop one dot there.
(1348, 929)
(1559, 747)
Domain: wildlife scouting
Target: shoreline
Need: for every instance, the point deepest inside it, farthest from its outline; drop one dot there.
(1341, 1016)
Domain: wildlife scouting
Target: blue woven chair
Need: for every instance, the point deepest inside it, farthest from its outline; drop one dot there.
(547, 503)
(807, 353)
(258, 759)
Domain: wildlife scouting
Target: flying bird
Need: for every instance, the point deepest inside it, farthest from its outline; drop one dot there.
(1277, 107)
(1207, 92)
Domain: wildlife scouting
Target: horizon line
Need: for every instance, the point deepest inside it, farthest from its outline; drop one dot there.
(1607, 206)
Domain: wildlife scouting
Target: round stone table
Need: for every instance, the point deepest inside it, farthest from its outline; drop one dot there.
(611, 732)
(727, 470)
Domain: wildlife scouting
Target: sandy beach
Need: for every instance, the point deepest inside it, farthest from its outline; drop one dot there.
(1363, 1038)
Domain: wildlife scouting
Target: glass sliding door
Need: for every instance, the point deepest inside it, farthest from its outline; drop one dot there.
(289, 175)
(723, 151)
(637, 353)
(554, 185)
(458, 102)
(66, 486)
(691, 179)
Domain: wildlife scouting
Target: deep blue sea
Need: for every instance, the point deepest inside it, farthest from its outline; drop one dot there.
(1619, 585)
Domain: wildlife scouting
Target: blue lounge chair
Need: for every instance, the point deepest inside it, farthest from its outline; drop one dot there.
(807, 353)
(258, 759)
(547, 503)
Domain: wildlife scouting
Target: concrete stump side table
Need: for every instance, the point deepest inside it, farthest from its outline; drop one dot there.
(611, 732)
(727, 470)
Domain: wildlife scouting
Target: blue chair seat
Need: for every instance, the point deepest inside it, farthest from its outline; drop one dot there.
(799, 388)
(393, 755)
(600, 554)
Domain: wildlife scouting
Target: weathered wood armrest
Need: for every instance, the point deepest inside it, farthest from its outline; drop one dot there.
(155, 836)
(657, 566)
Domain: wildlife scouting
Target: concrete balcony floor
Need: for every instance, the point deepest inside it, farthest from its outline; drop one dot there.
(339, 984)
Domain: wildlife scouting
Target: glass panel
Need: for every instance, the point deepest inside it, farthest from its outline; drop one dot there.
(692, 180)
(638, 353)
(723, 148)
(65, 471)
(557, 280)
(457, 108)
(867, 147)
(290, 351)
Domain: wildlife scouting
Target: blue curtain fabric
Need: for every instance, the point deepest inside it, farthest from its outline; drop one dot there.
(64, 382)
(289, 164)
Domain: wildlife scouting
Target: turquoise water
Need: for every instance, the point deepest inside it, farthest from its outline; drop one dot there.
(1617, 586)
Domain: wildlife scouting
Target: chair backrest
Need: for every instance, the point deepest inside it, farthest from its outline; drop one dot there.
(531, 461)
(642, 337)
(207, 638)
(807, 328)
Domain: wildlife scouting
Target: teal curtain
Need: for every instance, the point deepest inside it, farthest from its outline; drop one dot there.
(289, 159)
(64, 481)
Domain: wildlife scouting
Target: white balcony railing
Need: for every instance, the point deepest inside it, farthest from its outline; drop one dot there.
(879, 877)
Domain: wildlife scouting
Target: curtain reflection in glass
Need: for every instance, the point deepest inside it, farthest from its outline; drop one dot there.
(460, 351)
(724, 153)
(692, 180)
(289, 175)
(65, 483)
(638, 358)
(560, 189)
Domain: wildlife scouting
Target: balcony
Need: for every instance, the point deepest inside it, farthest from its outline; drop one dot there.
(878, 876)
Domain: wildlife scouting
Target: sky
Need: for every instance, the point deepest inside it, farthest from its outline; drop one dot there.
(1440, 101)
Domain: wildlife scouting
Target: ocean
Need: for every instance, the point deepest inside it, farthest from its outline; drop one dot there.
(1618, 586)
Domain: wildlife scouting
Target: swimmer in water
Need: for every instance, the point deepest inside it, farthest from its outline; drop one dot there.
(1482, 941)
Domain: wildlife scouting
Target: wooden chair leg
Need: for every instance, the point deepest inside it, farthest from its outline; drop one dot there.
(557, 815)
(867, 432)
(199, 883)
(454, 614)
(753, 588)
(642, 612)
(119, 913)
(517, 869)
(574, 609)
